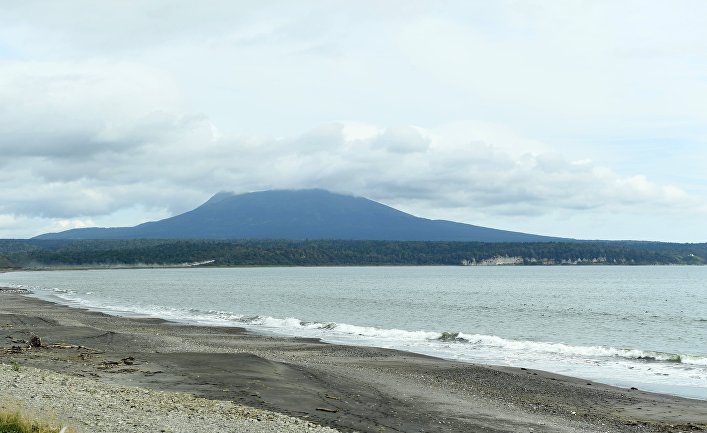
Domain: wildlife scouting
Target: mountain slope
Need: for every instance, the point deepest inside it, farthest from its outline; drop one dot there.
(300, 214)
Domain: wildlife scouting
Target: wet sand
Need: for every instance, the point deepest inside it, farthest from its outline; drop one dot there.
(345, 387)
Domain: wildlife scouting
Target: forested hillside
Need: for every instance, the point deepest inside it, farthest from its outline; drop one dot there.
(39, 254)
(298, 215)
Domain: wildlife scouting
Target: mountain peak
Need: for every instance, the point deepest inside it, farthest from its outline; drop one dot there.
(299, 214)
(219, 196)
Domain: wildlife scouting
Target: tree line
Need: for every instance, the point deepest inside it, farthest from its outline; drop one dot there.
(83, 253)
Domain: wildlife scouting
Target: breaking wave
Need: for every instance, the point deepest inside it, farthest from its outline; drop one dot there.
(474, 341)
(570, 350)
(383, 336)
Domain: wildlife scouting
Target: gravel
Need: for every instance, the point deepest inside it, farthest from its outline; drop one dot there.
(89, 406)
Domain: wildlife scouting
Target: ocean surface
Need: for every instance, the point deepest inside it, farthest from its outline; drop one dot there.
(627, 326)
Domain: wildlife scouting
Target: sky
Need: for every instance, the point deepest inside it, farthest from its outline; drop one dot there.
(582, 119)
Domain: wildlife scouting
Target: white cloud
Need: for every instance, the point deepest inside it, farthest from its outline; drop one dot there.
(418, 169)
(66, 109)
(67, 224)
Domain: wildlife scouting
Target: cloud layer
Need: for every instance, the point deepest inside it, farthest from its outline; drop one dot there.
(129, 156)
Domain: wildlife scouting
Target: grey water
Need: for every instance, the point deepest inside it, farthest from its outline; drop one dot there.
(626, 326)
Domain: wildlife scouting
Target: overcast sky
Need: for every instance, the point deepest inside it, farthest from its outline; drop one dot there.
(584, 119)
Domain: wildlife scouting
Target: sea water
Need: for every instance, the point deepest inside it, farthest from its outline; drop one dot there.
(626, 326)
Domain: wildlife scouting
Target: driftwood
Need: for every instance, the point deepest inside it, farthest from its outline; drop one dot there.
(72, 346)
(36, 343)
(110, 364)
(324, 409)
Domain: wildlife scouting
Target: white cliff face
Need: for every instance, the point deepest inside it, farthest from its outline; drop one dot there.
(518, 260)
(495, 261)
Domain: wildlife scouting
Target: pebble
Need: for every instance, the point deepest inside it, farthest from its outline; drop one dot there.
(89, 406)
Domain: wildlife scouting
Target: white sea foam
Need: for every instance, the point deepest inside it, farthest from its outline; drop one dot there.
(351, 333)
(488, 341)
(572, 350)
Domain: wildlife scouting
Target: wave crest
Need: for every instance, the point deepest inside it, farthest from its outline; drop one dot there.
(571, 350)
(385, 336)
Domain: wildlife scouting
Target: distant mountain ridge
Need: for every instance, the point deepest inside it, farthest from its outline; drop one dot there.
(299, 215)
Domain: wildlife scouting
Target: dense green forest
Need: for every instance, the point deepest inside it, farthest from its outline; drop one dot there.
(29, 254)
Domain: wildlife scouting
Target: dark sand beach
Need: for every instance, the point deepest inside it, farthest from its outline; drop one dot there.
(347, 388)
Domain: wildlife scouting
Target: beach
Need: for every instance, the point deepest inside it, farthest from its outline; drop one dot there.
(225, 371)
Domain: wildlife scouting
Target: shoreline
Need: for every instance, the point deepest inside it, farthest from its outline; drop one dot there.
(643, 358)
(350, 388)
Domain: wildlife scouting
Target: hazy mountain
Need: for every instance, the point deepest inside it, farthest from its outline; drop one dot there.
(299, 214)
